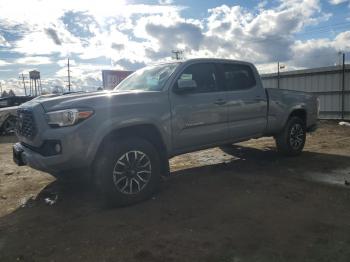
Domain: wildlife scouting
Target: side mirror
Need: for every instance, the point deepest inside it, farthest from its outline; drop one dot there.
(185, 85)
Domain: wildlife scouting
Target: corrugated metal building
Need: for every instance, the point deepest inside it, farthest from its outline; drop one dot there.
(330, 84)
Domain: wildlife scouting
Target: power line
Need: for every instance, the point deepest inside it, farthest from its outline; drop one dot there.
(327, 26)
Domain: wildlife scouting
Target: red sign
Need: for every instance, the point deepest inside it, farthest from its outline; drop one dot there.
(111, 78)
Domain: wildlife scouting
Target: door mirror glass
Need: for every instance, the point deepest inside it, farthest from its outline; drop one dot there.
(185, 85)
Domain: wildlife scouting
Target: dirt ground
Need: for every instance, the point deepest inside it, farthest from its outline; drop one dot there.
(249, 204)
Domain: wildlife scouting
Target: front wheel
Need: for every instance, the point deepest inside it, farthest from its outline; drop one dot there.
(292, 138)
(127, 171)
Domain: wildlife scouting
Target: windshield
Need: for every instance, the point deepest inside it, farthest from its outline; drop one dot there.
(151, 78)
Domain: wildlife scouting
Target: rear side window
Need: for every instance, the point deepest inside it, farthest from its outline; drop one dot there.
(237, 77)
(204, 74)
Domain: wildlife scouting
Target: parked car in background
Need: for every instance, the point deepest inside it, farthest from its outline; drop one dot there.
(14, 100)
(8, 112)
(8, 116)
(125, 137)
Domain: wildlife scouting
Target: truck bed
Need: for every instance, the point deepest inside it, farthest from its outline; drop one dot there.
(281, 102)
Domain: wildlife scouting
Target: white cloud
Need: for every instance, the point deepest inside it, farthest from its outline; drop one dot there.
(231, 32)
(12, 83)
(3, 41)
(319, 52)
(130, 36)
(45, 33)
(337, 2)
(165, 2)
(34, 60)
(4, 63)
(42, 12)
(49, 40)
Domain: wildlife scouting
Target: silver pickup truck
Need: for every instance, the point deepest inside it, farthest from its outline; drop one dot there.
(126, 136)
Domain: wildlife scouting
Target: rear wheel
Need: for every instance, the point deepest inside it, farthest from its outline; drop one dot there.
(291, 140)
(127, 171)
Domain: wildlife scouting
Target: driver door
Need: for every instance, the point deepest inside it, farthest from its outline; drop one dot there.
(199, 117)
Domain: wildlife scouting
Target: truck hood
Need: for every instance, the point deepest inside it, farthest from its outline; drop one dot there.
(90, 99)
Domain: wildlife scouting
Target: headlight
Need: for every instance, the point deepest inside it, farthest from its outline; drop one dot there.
(67, 117)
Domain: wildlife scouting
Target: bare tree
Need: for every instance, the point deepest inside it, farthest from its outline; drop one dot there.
(4, 94)
(11, 93)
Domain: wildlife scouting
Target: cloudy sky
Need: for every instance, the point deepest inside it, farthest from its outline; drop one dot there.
(128, 34)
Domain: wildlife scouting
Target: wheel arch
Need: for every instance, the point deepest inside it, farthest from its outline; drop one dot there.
(148, 132)
(299, 112)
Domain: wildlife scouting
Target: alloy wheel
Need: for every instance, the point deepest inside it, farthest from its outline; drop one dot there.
(132, 172)
(296, 137)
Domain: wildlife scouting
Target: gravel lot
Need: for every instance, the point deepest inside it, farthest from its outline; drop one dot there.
(249, 204)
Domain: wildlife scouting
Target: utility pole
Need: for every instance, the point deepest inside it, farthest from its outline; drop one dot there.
(278, 75)
(24, 83)
(340, 54)
(177, 54)
(343, 89)
(0, 89)
(68, 77)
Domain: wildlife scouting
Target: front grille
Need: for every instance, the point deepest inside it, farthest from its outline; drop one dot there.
(25, 123)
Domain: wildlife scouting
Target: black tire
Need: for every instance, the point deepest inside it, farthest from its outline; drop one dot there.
(291, 140)
(108, 170)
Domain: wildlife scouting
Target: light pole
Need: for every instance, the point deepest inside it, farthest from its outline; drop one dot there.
(278, 73)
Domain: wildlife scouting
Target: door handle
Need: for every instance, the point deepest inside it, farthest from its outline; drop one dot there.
(220, 102)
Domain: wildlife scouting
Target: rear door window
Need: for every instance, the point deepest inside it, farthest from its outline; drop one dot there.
(237, 77)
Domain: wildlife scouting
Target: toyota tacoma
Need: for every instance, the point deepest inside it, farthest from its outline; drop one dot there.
(126, 136)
